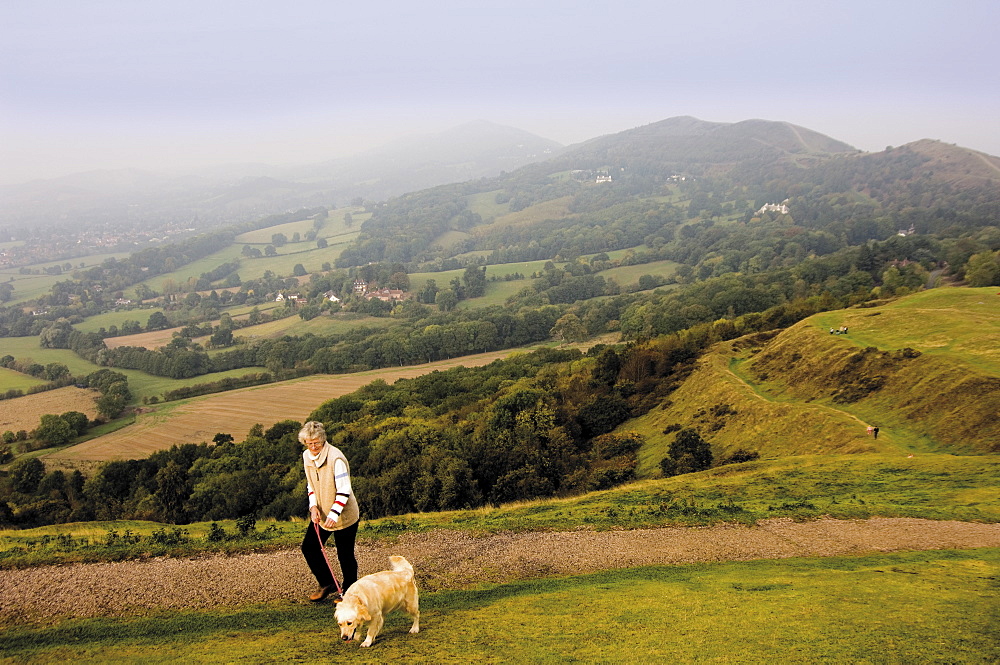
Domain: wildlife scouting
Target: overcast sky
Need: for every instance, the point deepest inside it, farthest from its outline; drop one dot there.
(175, 84)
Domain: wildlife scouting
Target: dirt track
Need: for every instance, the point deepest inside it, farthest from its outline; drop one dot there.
(452, 560)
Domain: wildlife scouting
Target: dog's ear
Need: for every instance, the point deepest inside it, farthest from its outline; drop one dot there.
(363, 612)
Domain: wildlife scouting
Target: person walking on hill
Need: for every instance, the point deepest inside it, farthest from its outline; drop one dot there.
(333, 509)
(875, 431)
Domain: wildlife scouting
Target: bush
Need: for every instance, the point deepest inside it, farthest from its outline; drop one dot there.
(246, 525)
(216, 533)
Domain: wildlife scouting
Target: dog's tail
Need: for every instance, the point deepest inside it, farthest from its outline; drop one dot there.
(400, 564)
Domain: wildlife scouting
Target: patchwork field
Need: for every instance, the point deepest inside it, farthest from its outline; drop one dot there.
(25, 412)
(200, 419)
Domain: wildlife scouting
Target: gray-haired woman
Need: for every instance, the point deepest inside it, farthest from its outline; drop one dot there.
(332, 506)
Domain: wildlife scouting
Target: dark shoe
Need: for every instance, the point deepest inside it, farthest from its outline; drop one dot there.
(321, 594)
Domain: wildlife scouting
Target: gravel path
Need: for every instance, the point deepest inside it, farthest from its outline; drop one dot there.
(452, 560)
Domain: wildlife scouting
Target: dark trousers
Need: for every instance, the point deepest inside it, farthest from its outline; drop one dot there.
(312, 550)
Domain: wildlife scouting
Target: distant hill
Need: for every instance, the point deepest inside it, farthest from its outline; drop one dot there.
(473, 150)
(686, 143)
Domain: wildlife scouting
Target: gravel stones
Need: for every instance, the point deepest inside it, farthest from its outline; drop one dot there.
(452, 560)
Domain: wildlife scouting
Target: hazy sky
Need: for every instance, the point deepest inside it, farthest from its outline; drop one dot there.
(170, 84)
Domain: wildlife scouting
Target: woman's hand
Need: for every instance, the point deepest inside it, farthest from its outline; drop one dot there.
(329, 523)
(314, 515)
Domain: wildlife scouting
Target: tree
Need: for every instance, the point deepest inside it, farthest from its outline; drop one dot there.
(53, 430)
(157, 321)
(321, 243)
(474, 278)
(78, 421)
(446, 300)
(983, 269)
(569, 328)
(299, 270)
(270, 251)
(25, 475)
(56, 335)
(428, 295)
(172, 491)
(688, 453)
(278, 239)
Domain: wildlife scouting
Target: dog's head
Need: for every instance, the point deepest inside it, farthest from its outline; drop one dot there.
(351, 614)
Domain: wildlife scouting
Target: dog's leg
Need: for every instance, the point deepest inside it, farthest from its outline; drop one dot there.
(373, 628)
(413, 609)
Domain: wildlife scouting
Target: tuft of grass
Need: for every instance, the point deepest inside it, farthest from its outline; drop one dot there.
(808, 610)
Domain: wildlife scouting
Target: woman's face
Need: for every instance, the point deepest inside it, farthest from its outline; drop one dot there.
(315, 445)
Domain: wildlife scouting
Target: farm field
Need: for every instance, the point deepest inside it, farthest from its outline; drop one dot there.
(627, 275)
(25, 412)
(28, 287)
(200, 419)
(11, 380)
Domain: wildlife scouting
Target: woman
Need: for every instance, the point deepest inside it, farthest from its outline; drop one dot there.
(332, 506)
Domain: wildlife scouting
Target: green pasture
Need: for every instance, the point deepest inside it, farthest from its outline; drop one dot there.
(449, 239)
(11, 380)
(334, 226)
(628, 275)
(307, 253)
(486, 206)
(958, 322)
(141, 384)
(910, 607)
(320, 325)
(24, 348)
(619, 254)
(29, 287)
(116, 318)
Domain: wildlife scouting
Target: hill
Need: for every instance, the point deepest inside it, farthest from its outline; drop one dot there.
(922, 368)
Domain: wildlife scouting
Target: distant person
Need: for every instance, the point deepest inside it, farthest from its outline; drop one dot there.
(875, 431)
(871, 430)
(332, 506)
(833, 331)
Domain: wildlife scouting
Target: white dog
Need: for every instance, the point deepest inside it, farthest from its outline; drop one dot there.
(373, 596)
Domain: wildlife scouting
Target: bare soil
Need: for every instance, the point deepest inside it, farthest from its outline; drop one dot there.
(452, 560)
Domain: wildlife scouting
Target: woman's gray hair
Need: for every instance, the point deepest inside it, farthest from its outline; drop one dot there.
(312, 430)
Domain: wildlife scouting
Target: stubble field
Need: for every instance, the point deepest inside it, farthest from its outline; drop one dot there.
(199, 419)
(25, 412)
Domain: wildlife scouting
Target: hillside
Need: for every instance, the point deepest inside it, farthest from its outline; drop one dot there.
(923, 368)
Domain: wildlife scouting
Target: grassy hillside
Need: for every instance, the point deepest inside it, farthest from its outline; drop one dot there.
(805, 391)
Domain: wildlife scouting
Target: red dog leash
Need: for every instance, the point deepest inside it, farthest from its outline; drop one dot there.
(322, 548)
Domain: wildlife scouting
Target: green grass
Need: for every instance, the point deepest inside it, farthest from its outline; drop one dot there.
(9, 379)
(626, 275)
(486, 206)
(909, 607)
(961, 323)
(140, 383)
(321, 325)
(116, 318)
(29, 287)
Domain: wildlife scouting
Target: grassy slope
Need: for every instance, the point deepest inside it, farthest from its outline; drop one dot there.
(945, 400)
(789, 611)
